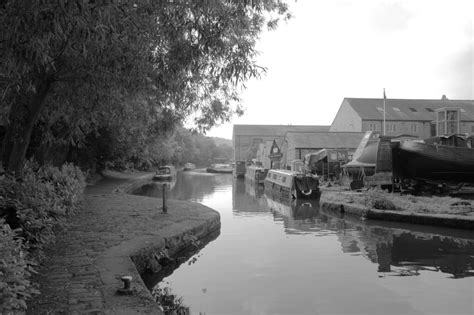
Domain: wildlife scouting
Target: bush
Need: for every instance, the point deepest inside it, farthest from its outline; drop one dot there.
(15, 270)
(377, 199)
(41, 201)
(32, 208)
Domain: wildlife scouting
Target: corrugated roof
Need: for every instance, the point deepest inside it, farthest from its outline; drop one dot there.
(408, 109)
(273, 130)
(332, 140)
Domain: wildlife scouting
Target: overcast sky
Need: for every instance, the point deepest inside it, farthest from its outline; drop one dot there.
(333, 49)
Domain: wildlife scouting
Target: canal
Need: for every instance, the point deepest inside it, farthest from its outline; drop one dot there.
(277, 258)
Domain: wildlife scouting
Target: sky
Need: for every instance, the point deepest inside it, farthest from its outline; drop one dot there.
(331, 49)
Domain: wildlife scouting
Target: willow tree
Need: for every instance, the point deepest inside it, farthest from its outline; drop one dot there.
(76, 66)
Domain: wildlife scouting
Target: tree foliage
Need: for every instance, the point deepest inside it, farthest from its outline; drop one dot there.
(70, 69)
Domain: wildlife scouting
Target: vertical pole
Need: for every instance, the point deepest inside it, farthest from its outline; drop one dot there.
(384, 97)
(164, 197)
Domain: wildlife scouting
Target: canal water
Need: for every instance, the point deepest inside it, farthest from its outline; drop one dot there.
(272, 257)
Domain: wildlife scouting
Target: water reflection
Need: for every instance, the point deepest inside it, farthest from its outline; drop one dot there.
(189, 185)
(274, 256)
(402, 251)
(247, 197)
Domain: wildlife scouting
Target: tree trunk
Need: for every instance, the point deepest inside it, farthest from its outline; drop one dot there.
(23, 118)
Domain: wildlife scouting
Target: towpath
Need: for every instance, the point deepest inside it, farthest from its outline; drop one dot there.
(82, 271)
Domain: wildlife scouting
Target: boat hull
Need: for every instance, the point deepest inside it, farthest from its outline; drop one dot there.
(255, 174)
(217, 171)
(165, 173)
(416, 160)
(162, 177)
(189, 167)
(291, 185)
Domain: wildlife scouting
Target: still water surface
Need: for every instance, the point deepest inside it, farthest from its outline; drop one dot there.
(275, 258)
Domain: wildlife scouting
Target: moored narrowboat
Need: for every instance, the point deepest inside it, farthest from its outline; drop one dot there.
(239, 169)
(167, 172)
(292, 185)
(189, 167)
(255, 174)
(220, 168)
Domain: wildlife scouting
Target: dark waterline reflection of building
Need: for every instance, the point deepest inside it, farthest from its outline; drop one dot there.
(398, 249)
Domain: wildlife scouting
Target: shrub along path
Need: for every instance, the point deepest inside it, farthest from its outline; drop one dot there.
(83, 268)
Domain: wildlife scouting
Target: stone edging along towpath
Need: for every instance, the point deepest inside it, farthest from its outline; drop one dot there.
(445, 220)
(84, 267)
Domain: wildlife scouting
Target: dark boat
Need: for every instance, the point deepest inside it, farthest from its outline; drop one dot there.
(239, 169)
(440, 159)
(167, 172)
(189, 167)
(292, 184)
(255, 174)
(372, 163)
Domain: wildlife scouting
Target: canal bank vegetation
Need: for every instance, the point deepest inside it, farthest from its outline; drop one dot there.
(95, 85)
(409, 204)
(31, 212)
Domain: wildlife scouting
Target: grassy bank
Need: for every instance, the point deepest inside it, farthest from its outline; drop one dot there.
(383, 200)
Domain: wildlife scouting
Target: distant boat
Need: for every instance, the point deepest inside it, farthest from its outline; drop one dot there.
(189, 167)
(441, 159)
(220, 168)
(255, 174)
(167, 172)
(292, 184)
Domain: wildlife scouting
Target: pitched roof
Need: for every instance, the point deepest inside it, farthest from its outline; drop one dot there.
(332, 140)
(273, 130)
(408, 109)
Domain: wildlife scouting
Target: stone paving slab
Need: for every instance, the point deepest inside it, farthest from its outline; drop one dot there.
(83, 269)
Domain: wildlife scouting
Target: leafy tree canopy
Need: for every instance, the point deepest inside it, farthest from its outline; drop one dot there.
(71, 68)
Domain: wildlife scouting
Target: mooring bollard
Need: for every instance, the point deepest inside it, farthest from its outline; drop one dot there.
(164, 197)
(126, 290)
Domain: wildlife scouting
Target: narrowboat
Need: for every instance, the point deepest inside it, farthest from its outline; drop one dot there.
(292, 185)
(255, 174)
(220, 168)
(239, 170)
(167, 172)
(189, 167)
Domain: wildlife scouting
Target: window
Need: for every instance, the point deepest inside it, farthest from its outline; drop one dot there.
(462, 110)
(472, 128)
(380, 109)
(396, 109)
(429, 109)
(391, 128)
(372, 127)
(413, 110)
(414, 128)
